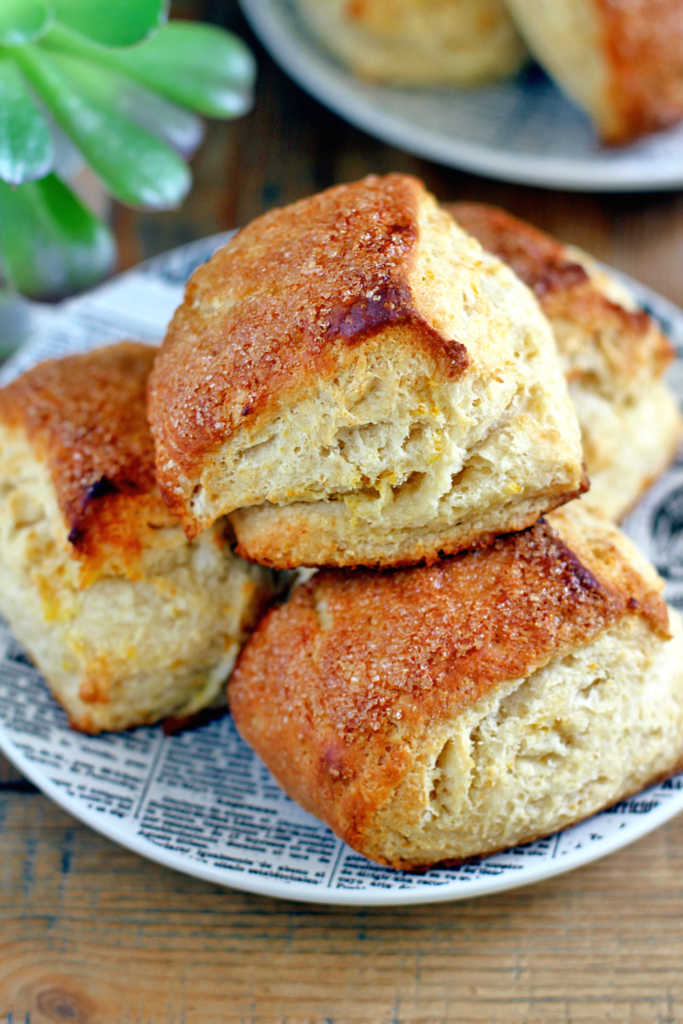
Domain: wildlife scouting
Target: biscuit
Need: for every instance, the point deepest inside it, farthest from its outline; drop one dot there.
(621, 61)
(127, 620)
(359, 383)
(432, 714)
(418, 42)
(613, 354)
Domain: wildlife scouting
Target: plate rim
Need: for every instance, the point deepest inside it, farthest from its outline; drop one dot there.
(490, 885)
(332, 86)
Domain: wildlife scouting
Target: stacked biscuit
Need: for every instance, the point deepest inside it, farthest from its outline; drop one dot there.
(622, 62)
(354, 384)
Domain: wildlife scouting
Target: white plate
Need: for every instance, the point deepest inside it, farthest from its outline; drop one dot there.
(523, 130)
(202, 802)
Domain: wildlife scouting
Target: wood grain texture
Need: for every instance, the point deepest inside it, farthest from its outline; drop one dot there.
(10, 778)
(93, 934)
(90, 933)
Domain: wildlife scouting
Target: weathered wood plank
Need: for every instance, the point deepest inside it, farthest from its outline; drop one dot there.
(93, 933)
(10, 778)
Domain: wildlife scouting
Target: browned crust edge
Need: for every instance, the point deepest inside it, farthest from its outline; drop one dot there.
(253, 551)
(643, 45)
(86, 418)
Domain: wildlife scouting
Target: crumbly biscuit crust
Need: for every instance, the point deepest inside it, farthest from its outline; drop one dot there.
(128, 621)
(358, 357)
(613, 354)
(622, 60)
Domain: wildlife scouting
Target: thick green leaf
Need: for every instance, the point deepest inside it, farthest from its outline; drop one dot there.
(26, 150)
(50, 244)
(197, 66)
(112, 22)
(137, 167)
(22, 21)
(181, 129)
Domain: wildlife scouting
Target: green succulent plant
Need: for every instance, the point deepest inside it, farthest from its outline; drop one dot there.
(119, 81)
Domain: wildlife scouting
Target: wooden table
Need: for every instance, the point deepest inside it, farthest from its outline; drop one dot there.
(91, 933)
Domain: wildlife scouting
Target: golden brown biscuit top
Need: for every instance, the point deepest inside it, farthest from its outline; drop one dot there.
(280, 307)
(643, 41)
(86, 417)
(424, 638)
(629, 340)
(348, 678)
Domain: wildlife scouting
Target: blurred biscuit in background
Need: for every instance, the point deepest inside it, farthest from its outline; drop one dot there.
(418, 42)
(621, 61)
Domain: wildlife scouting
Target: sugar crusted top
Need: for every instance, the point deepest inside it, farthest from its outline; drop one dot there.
(281, 307)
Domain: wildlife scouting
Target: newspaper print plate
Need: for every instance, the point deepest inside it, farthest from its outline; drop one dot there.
(523, 130)
(201, 802)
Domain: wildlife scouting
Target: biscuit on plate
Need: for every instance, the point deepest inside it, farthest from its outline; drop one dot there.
(364, 384)
(436, 713)
(127, 620)
(621, 61)
(613, 353)
(418, 42)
